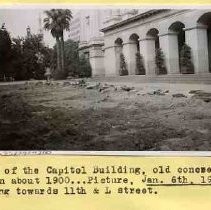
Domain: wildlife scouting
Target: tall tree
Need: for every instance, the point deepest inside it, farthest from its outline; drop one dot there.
(186, 65)
(123, 65)
(139, 64)
(5, 51)
(65, 26)
(29, 57)
(160, 62)
(57, 21)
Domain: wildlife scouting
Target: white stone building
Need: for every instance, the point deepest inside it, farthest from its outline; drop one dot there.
(75, 27)
(130, 31)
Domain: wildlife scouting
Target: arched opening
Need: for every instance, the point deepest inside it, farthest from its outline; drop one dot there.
(177, 29)
(118, 53)
(118, 42)
(134, 55)
(153, 34)
(205, 20)
(134, 39)
(153, 49)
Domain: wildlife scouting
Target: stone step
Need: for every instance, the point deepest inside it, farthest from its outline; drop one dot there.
(181, 78)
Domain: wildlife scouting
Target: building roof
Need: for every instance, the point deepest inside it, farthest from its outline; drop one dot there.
(132, 19)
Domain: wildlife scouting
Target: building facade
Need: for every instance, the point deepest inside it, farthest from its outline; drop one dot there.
(131, 31)
(85, 28)
(75, 27)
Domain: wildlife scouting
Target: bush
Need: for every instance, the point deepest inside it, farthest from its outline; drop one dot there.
(75, 66)
(140, 70)
(186, 65)
(59, 75)
(85, 69)
(160, 62)
(123, 66)
(23, 58)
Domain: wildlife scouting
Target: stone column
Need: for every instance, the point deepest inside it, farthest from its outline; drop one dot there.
(110, 61)
(169, 46)
(196, 38)
(118, 51)
(129, 51)
(209, 48)
(97, 60)
(147, 50)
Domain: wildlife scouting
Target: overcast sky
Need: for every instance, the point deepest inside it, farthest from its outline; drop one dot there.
(17, 20)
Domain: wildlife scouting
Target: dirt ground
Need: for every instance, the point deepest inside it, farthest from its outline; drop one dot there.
(78, 115)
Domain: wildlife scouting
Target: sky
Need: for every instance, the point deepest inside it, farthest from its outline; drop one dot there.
(17, 20)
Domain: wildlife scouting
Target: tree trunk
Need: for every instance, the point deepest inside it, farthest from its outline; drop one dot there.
(58, 53)
(62, 52)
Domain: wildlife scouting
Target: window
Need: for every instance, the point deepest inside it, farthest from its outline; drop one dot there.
(87, 20)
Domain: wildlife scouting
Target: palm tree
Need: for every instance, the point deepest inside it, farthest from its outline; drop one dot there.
(57, 21)
(66, 15)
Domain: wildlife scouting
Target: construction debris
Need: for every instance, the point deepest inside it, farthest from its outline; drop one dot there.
(158, 92)
(205, 96)
(194, 91)
(126, 88)
(95, 86)
(179, 95)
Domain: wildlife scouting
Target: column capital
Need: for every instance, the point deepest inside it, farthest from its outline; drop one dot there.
(111, 46)
(146, 39)
(169, 34)
(196, 39)
(195, 27)
(130, 42)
